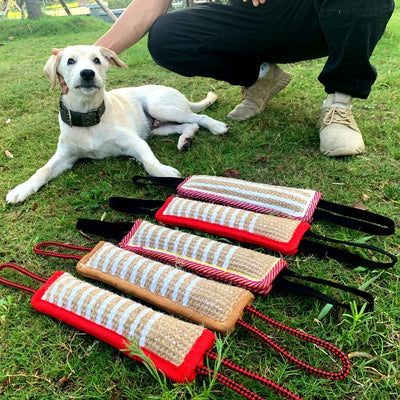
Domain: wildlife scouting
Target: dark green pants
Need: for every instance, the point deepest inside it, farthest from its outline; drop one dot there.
(229, 42)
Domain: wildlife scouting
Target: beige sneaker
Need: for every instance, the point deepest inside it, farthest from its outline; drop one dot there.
(338, 131)
(257, 96)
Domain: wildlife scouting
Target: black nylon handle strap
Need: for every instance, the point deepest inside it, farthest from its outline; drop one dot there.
(308, 291)
(107, 230)
(354, 218)
(322, 250)
(135, 206)
(161, 181)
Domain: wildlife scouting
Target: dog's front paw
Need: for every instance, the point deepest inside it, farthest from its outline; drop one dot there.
(19, 193)
(166, 171)
(219, 128)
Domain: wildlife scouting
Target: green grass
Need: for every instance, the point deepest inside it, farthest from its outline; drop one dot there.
(42, 358)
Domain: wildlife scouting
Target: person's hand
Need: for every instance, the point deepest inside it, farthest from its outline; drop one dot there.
(256, 2)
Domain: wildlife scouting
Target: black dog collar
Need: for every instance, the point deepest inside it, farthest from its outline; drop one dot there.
(74, 118)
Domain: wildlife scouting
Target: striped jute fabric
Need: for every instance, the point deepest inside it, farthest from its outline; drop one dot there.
(269, 226)
(217, 306)
(268, 199)
(167, 337)
(240, 266)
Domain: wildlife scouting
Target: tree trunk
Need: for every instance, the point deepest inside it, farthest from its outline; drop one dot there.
(33, 9)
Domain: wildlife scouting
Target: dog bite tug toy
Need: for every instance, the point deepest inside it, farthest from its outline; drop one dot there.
(177, 348)
(117, 321)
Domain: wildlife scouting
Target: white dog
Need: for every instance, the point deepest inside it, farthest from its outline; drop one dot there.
(95, 123)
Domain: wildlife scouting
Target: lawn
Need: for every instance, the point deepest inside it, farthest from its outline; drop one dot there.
(42, 358)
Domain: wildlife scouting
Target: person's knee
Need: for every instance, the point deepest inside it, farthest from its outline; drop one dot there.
(172, 48)
(159, 40)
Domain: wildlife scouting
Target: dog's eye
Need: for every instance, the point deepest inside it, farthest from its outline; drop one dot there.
(70, 61)
(97, 61)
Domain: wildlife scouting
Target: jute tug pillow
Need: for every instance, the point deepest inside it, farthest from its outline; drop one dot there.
(240, 266)
(212, 304)
(243, 267)
(259, 197)
(176, 347)
(278, 234)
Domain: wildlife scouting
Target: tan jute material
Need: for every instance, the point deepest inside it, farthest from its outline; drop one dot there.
(238, 260)
(168, 337)
(213, 304)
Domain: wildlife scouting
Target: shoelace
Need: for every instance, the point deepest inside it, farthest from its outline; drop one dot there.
(340, 116)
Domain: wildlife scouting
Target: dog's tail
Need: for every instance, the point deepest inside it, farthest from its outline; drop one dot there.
(203, 104)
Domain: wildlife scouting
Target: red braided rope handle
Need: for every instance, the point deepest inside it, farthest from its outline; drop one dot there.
(255, 377)
(23, 271)
(38, 250)
(301, 335)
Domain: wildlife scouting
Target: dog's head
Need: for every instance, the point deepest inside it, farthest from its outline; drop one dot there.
(81, 68)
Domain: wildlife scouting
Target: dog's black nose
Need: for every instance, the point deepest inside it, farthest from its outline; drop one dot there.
(87, 74)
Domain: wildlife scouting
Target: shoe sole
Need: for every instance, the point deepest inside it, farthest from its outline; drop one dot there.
(342, 152)
(283, 81)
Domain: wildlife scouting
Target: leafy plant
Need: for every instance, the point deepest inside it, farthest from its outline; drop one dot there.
(92, 199)
(179, 390)
(136, 351)
(5, 306)
(355, 319)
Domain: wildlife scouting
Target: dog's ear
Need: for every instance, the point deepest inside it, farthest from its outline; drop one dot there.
(50, 69)
(112, 57)
(56, 51)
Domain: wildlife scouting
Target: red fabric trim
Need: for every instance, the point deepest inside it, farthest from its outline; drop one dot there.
(289, 248)
(179, 187)
(186, 372)
(308, 217)
(125, 240)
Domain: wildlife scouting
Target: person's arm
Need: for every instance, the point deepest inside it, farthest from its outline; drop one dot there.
(133, 24)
